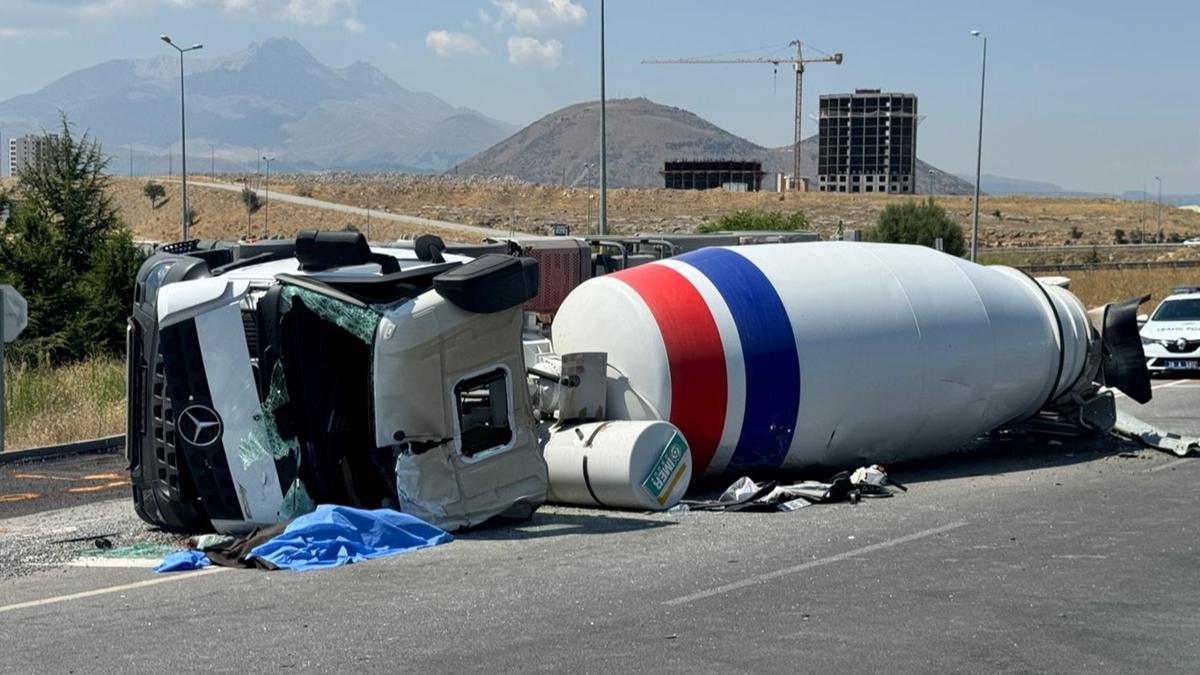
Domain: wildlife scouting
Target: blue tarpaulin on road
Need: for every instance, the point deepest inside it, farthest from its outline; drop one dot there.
(182, 561)
(339, 535)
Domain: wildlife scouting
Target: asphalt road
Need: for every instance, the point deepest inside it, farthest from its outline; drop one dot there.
(472, 230)
(1017, 557)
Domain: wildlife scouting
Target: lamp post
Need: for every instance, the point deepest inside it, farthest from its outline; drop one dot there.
(267, 197)
(1159, 238)
(183, 207)
(978, 150)
(602, 228)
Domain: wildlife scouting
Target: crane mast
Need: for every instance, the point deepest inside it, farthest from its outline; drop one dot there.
(797, 63)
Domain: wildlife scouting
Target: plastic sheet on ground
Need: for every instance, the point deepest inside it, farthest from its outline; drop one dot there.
(338, 535)
(747, 494)
(183, 561)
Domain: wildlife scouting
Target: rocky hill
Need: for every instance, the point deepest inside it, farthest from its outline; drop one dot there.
(563, 147)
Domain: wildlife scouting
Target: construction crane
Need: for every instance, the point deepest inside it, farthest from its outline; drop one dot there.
(797, 63)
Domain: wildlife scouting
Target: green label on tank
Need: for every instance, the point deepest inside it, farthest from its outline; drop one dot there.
(667, 470)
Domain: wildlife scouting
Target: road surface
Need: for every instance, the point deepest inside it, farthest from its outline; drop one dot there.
(1019, 557)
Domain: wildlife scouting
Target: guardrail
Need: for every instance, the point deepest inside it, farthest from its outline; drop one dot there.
(93, 445)
(1084, 247)
(1144, 264)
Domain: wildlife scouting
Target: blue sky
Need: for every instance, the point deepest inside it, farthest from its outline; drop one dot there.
(1096, 95)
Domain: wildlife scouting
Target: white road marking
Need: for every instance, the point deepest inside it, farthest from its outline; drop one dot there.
(146, 563)
(1170, 465)
(176, 576)
(760, 578)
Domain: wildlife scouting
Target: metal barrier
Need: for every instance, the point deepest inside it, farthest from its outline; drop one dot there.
(94, 445)
(1144, 264)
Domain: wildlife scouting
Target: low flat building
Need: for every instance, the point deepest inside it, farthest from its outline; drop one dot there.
(709, 174)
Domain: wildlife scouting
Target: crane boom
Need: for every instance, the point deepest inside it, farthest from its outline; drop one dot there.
(798, 63)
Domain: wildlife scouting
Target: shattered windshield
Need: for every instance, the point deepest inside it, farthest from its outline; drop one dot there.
(1178, 310)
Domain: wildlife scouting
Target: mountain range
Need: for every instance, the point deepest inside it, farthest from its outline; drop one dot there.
(272, 98)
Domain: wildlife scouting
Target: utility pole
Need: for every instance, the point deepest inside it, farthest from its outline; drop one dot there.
(1160, 231)
(1142, 225)
(978, 151)
(131, 160)
(267, 195)
(185, 222)
(602, 228)
(212, 162)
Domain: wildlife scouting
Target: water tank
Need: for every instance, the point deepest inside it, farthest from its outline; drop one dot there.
(829, 353)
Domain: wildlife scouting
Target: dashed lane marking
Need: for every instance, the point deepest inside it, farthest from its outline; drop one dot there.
(760, 578)
(165, 579)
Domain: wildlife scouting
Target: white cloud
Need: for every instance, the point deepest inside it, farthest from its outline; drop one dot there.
(539, 16)
(527, 51)
(448, 45)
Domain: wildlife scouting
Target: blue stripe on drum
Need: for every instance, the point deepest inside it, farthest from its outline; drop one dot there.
(769, 352)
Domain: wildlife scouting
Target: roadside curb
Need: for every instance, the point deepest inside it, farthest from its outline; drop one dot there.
(93, 445)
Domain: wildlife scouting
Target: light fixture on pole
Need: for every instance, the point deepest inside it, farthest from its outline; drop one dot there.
(978, 150)
(267, 197)
(183, 207)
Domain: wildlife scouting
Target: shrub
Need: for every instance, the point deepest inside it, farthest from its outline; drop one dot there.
(922, 223)
(250, 200)
(757, 219)
(154, 192)
(1119, 236)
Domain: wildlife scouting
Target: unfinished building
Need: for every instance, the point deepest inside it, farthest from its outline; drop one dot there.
(708, 174)
(867, 142)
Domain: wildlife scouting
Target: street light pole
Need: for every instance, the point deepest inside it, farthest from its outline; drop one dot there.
(267, 197)
(183, 206)
(602, 227)
(1159, 237)
(978, 150)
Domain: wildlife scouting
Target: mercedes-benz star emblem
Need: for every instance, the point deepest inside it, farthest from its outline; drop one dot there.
(200, 425)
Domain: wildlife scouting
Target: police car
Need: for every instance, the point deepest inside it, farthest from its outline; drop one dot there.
(1171, 335)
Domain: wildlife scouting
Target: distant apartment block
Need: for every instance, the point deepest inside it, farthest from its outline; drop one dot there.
(868, 142)
(734, 175)
(25, 151)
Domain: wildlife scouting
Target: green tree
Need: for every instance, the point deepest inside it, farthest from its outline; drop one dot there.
(757, 219)
(154, 192)
(922, 223)
(67, 251)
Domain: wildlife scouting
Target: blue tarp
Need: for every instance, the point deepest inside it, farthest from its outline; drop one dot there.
(181, 561)
(338, 535)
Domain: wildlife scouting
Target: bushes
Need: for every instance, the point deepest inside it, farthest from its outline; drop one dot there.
(67, 252)
(922, 223)
(757, 219)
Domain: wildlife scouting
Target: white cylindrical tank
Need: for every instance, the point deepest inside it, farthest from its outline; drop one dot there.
(618, 464)
(828, 353)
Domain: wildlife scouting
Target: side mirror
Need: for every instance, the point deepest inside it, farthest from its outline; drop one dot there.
(1142, 319)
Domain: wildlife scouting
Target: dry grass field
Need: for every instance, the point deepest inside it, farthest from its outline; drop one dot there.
(46, 406)
(1004, 221)
(221, 215)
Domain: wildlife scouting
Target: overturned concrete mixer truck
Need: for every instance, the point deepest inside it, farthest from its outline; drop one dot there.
(465, 383)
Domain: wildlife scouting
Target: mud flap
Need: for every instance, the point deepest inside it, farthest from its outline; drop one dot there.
(1124, 360)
